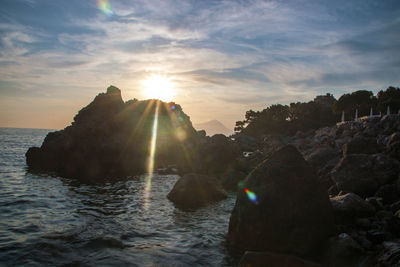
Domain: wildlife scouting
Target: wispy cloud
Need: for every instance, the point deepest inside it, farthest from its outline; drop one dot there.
(245, 53)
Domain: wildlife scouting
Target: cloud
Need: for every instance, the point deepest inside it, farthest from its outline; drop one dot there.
(238, 52)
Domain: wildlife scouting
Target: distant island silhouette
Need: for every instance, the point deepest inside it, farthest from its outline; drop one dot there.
(213, 127)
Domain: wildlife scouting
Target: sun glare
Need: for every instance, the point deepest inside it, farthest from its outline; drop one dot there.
(159, 87)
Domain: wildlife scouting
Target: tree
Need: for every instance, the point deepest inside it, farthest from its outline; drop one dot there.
(389, 98)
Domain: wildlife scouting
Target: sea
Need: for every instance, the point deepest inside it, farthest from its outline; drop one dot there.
(47, 220)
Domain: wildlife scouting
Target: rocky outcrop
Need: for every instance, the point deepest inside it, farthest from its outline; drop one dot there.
(110, 139)
(281, 207)
(195, 190)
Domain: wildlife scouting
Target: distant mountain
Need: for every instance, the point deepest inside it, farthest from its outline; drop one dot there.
(213, 127)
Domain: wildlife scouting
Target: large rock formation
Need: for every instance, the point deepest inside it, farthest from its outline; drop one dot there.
(281, 208)
(111, 139)
(195, 190)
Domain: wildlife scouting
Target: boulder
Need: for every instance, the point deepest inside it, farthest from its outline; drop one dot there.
(390, 256)
(282, 208)
(388, 193)
(323, 160)
(350, 206)
(343, 251)
(364, 174)
(261, 259)
(361, 145)
(195, 190)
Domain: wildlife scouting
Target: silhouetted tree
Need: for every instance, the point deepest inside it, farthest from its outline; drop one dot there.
(390, 97)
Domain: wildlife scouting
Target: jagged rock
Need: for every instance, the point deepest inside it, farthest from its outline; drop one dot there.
(283, 208)
(111, 139)
(195, 190)
(364, 174)
(350, 206)
(261, 259)
(361, 145)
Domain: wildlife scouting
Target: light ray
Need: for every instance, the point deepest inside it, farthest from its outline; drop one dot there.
(150, 166)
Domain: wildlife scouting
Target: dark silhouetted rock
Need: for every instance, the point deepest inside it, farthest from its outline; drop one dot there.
(110, 139)
(364, 174)
(388, 193)
(362, 145)
(390, 256)
(262, 259)
(350, 206)
(342, 251)
(195, 190)
(289, 212)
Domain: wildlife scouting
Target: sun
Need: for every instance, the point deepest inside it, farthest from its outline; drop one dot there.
(159, 87)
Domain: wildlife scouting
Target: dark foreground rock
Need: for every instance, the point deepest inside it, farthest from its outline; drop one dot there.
(349, 206)
(288, 210)
(262, 259)
(195, 190)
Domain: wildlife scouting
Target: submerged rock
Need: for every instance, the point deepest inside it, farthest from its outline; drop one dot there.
(282, 208)
(195, 190)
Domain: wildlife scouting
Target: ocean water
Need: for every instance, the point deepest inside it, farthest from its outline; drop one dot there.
(49, 220)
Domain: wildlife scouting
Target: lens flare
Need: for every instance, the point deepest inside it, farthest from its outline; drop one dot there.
(105, 7)
(252, 196)
(150, 166)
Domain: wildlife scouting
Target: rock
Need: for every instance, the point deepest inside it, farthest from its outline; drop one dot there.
(376, 202)
(376, 237)
(395, 137)
(231, 180)
(364, 174)
(216, 156)
(343, 251)
(350, 206)
(195, 190)
(339, 143)
(261, 259)
(323, 158)
(283, 208)
(395, 206)
(110, 139)
(390, 255)
(361, 145)
(394, 150)
(388, 193)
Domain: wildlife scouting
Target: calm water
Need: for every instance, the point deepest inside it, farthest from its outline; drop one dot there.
(55, 221)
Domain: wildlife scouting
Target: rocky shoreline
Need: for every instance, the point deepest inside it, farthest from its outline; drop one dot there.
(357, 164)
(329, 197)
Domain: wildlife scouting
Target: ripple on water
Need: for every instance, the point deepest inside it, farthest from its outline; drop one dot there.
(48, 220)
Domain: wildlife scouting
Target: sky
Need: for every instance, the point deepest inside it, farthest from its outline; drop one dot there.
(224, 57)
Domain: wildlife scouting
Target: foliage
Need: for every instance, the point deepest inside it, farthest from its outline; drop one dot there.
(323, 111)
(391, 98)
